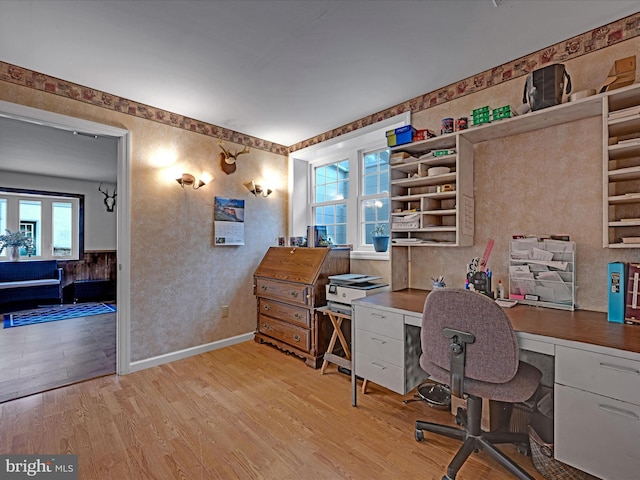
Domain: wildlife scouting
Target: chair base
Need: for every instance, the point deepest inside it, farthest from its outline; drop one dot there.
(475, 440)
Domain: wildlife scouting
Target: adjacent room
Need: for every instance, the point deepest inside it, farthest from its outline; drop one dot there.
(239, 238)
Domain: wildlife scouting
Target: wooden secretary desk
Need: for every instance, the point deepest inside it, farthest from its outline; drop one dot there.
(290, 286)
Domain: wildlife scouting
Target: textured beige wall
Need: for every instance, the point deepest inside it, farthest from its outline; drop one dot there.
(179, 279)
(543, 182)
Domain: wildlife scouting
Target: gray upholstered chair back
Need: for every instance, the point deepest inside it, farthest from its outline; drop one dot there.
(493, 357)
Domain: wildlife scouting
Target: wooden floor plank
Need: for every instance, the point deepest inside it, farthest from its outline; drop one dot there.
(243, 412)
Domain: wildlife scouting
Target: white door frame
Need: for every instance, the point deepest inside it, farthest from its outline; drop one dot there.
(64, 122)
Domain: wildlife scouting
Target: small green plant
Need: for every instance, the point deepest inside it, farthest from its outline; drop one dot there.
(379, 230)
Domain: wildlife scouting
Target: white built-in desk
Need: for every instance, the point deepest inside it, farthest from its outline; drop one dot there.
(596, 377)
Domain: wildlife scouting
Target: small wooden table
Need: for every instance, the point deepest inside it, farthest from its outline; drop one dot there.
(336, 320)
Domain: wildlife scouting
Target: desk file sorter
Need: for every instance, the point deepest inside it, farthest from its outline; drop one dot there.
(617, 282)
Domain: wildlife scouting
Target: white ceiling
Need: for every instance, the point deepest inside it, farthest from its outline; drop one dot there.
(284, 71)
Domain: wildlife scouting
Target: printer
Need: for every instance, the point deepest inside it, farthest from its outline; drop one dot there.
(344, 289)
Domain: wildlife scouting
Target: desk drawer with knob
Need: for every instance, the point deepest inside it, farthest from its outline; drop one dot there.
(285, 332)
(288, 292)
(282, 311)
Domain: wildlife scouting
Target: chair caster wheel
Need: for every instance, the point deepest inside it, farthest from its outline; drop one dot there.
(419, 436)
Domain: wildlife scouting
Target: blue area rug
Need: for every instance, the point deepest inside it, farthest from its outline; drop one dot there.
(53, 314)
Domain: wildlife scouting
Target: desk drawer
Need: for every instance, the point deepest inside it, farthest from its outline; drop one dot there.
(285, 332)
(385, 323)
(289, 313)
(597, 434)
(606, 375)
(289, 292)
(379, 346)
(380, 372)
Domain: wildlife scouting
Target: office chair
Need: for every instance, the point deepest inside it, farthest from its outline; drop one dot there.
(468, 343)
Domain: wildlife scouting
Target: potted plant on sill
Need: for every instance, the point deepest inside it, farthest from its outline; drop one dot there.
(380, 238)
(13, 242)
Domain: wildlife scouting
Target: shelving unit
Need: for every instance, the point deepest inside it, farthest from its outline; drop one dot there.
(543, 272)
(621, 156)
(433, 210)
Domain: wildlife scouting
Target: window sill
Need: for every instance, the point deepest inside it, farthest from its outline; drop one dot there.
(369, 255)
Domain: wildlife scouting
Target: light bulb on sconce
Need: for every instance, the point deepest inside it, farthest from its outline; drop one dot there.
(189, 180)
(257, 189)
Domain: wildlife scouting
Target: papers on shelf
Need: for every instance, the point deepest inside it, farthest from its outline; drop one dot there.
(407, 240)
(625, 112)
(543, 269)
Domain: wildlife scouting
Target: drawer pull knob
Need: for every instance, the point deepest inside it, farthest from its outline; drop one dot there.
(619, 411)
(265, 326)
(267, 307)
(263, 287)
(377, 365)
(620, 368)
(378, 340)
(294, 294)
(379, 315)
(296, 337)
(298, 316)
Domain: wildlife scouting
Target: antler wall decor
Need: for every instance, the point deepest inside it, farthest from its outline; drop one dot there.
(228, 159)
(109, 200)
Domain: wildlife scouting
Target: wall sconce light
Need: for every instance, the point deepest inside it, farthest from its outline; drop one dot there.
(189, 180)
(257, 189)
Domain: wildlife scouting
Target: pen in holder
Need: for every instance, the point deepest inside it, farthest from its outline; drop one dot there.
(481, 282)
(438, 282)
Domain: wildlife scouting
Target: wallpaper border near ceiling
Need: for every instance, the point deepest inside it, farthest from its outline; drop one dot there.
(45, 83)
(591, 41)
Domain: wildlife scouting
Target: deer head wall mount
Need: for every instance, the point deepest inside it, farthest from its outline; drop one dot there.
(228, 159)
(109, 200)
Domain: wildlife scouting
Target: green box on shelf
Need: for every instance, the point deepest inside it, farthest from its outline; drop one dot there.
(501, 112)
(481, 118)
(480, 111)
(442, 153)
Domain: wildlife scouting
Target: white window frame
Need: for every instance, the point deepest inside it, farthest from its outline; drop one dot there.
(362, 198)
(351, 145)
(45, 232)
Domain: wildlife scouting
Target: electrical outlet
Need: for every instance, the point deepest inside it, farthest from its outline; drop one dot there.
(225, 311)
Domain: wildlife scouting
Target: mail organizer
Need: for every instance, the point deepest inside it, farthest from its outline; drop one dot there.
(542, 272)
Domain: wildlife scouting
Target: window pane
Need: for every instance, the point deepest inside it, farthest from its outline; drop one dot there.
(62, 229)
(332, 182)
(375, 213)
(374, 207)
(3, 215)
(30, 223)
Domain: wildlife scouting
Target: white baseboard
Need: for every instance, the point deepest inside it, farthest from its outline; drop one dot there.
(188, 352)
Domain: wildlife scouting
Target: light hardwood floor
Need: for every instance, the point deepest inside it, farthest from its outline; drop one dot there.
(35, 358)
(242, 412)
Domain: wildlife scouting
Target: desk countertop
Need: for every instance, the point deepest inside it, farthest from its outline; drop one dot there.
(583, 326)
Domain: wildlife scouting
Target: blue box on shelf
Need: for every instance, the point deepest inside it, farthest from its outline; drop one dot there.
(400, 135)
(617, 285)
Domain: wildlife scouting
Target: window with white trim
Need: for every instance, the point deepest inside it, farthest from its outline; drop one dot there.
(330, 197)
(53, 220)
(374, 193)
(343, 183)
